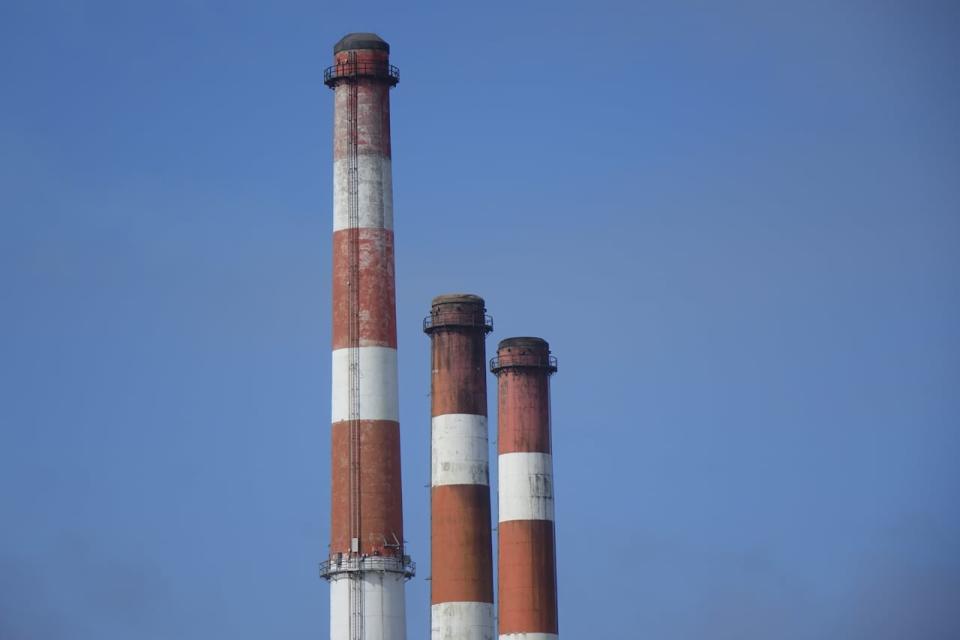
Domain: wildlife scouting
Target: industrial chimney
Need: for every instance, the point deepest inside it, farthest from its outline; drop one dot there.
(461, 587)
(367, 566)
(527, 589)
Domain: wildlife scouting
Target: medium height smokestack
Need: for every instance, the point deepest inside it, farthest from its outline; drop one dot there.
(461, 587)
(527, 590)
(367, 566)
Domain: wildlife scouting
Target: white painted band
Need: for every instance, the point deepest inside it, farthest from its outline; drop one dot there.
(459, 450)
(530, 636)
(526, 486)
(374, 192)
(462, 621)
(384, 608)
(377, 378)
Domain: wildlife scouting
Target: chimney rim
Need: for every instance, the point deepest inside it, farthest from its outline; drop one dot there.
(361, 40)
(457, 298)
(524, 341)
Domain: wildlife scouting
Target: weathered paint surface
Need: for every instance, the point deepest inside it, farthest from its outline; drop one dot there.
(377, 297)
(458, 453)
(461, 587)
(381, 501)
(364, 332)
(526, 486)
(461, 546)
(378, 384)
(374, 193)
(527, 580)
(384, 606)
(462, 621)
(373, 111)
(459, 370)
(526, 411)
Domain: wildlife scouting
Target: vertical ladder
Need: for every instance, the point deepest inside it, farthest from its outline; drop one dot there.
(355, 577)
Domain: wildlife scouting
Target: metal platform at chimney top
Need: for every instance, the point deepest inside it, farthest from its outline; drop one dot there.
(468, 319)
(523, 361)
(354, 564)
(366, 69)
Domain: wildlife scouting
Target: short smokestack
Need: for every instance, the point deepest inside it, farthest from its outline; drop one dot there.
(527, 589)
(461, 587)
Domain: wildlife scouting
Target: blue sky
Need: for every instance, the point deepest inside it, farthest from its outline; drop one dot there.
(737, 225)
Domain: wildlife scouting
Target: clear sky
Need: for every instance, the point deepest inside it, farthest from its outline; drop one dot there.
(738, 224)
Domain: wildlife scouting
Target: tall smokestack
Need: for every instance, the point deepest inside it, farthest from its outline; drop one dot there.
(461, 586)
(527, 590)
(367, 566)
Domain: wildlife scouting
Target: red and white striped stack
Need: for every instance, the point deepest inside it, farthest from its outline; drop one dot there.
(367, 567)
(527, 590)
(461, 587)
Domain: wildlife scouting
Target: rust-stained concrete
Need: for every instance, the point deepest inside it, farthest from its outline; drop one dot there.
(367, 593)
(381, 502)
(377, 317)
(461, 588)
(527, 581)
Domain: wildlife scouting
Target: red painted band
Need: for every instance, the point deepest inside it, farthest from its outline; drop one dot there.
(524, 411)
(373, 118)
(381, 507)
(460, 549)
(377, 312)
(458, 380)
(527, 587)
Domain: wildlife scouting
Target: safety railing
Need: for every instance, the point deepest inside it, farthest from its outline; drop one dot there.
(523, 360)
(366, 69)
(458, 319)
(353, 564)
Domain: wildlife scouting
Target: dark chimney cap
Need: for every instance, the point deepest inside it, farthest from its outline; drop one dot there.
(457, 298)
(361, 41)
(523, 354)
(533, 343)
